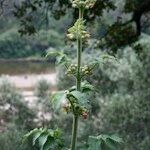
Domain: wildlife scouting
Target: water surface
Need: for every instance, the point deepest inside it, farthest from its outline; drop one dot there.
(24, 67)
(25, 75)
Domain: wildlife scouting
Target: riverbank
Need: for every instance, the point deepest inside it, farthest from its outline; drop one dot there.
(25, 74)
(29, 59)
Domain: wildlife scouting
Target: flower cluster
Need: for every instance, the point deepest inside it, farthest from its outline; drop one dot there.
(86, 4)
(78, 31)
(86, 70)
(81, 111)
(72, 69)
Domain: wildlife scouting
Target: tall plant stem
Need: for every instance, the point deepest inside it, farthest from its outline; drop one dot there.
(78, 87)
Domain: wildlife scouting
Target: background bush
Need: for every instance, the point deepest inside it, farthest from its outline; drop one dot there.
(14, 46)
(15, 118)
(123, 95)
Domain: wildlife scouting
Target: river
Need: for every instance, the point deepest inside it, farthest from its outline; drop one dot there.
(25, 74)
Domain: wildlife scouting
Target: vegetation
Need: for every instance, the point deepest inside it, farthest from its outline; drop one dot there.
(122, 99)
(119, 101)
(75, 100)
(13, 111)
(13, 46)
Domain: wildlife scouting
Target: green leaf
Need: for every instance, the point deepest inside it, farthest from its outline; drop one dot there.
(104, 142)
(86, 87)
(81, 98)
(42, 140)
(52, 53)
(57, 134)
(62, 59)
(49, 143)
(47, 139)
(107, 56)
(36, 136)
(116, 139)
(57, 99)
(94, 143)
(104, 58)
(29, 134)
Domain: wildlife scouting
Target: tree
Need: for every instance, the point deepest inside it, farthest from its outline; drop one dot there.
(138, 8)
(26, 10)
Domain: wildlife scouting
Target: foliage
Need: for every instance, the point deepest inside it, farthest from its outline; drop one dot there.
(129, 102)
(132, 5)
(119, 36)
(75, 100)
(122, 96)
(14, 46)
(15, 117)
(28, 25)
(42, 92)
(13, 108)
(104, 142)
(42, 88)
(46, 139)
(61, 58)
(132, 11)
(11, 139)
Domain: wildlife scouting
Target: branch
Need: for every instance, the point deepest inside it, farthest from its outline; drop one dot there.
(138, 12)
(3, 5)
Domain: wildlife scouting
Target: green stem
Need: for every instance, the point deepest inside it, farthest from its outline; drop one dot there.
(74, 132)
(78, 88)
(79, 51)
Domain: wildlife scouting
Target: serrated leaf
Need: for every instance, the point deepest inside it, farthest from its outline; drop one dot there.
(107, 56)
(94, 143)
(57, 134)
(42, 140)
(116, 138)
(52, 54)
(86, 87)
(48, 143)
(63, 60)
(104, 142)
(81, 98)
(47, 138)
(104, 58)
(57, 99)
(109, 144)
(36, 136)
(29, 134)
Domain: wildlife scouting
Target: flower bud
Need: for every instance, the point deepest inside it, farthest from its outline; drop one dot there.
(85, 115)
(70, 36)
(87, 35)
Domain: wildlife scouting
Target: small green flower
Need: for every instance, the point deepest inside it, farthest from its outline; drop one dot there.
(86, 4)
(78, 31)
(72, 69)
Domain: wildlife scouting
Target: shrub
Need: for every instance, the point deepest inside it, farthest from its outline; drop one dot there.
(13, 108)
(12, 140)
(14, 46)
(123, 96)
